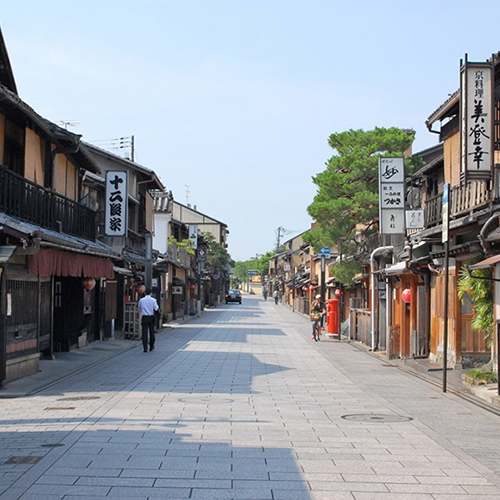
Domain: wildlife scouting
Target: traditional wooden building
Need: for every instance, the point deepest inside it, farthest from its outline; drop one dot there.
(428, 322)
(123, 292)
(52, 268)
(185, 278)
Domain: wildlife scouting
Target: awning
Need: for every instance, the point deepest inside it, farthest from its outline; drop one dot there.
(50, 238)
(6, 252)
(50, 262)
(490, 261)
(123, 271)
(396, 269)
(134, 258)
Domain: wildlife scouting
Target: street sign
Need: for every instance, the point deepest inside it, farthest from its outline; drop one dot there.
(177, 290)
(324, 251)
(252, 273)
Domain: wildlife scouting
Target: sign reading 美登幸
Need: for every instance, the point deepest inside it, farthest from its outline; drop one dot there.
(115, 221)
(476, 100)
(391, 196)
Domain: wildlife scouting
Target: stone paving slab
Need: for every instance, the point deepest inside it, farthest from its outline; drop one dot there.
(241, 404)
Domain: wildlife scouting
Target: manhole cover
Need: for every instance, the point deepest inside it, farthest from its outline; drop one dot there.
(205, 399)
(79, 398)
(29, 460)
(377, 418)
(51, 445)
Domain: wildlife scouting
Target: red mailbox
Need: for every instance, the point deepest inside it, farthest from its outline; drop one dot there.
(332, 311)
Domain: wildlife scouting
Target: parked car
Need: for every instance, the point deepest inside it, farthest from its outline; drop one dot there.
(233, 296)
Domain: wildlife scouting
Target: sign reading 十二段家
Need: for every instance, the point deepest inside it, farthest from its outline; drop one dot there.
(391, 196)
(116, 202)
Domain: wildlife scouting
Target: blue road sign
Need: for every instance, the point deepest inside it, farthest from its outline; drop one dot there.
(324, 251)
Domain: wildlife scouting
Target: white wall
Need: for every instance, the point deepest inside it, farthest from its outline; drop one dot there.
(160, 238)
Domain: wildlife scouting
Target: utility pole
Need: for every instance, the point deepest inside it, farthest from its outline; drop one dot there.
(279, 232)
(446, 240)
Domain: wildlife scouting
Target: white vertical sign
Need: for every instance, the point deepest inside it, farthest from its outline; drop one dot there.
(446, 212)
(115, 223)
(477, 120)
(391, 195)
(193, 235)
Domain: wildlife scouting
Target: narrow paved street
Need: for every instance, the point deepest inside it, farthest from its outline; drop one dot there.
(242, 404)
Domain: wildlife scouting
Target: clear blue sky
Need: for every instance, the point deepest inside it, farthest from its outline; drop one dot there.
(236, 98)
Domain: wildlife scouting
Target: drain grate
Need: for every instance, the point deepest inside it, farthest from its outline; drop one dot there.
(205, 399)
(52, 408)
(79, 398)
(383, 419)
(27, 460)
(51, 445)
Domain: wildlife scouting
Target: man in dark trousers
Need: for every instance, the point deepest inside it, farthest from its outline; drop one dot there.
(147, 307)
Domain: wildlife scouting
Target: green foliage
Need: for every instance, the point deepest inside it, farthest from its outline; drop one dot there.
(481, 293)
(346, 271)
(186, 244)
(347, 194)
(259, 263)
(486, 376)
(218, 258)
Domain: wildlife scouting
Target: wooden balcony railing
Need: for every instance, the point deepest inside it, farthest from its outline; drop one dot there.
(464, 200)
(179, 255)
(32, 203)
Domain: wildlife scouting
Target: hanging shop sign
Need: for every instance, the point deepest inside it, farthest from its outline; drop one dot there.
(414, 219)
(193, 235)
(115, 222)
(476, 106)
(391, 196)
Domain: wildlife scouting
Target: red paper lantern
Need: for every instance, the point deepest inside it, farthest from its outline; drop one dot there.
(192, 287)
(312, 288)
(140, 288)
(88, 283)
(338, 292)
(406, 295)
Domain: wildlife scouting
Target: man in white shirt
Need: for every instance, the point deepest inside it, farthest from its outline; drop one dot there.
(147, 307)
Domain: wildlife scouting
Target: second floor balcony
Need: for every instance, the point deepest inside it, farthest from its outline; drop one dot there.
(32, 203)
(464, 200)
(179, 255)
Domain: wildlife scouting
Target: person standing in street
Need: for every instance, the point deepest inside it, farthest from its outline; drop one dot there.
(276, 296)
(147, 307)
(316, 314)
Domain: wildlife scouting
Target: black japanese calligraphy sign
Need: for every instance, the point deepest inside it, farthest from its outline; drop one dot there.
(391, 196)
(116, 203)
(476, 95)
